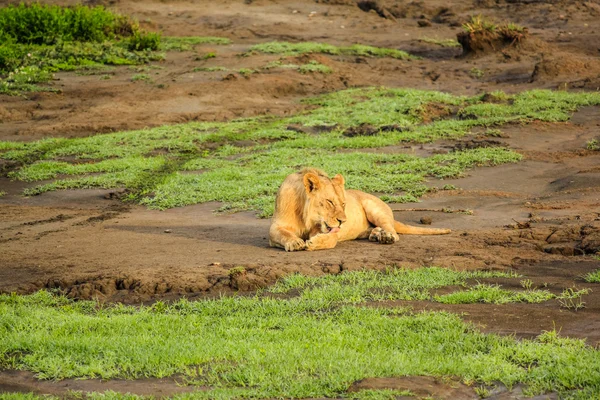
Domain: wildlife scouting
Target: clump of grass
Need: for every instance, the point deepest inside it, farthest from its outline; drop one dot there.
(239, 270)
(144, 41)
(207, 56)
(247, 71)
(209, 69)
(287, 48)
(593, 145)
(24, 80)
(571, 298)
(141, 77)
(187, 43)
(592, 277)
(482, 27)
(476, 73)
(478, 24)
(2, 193)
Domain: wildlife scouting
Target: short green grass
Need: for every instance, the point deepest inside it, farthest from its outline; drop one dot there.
(592, 277)
(198, 162)
(440, 42)
(209, 69)
(314, 344)
(187, 43)
(369, 285)
(286, 48)
(484, 293)
(310, 67)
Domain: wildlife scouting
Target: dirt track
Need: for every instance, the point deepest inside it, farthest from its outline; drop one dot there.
(90, 244)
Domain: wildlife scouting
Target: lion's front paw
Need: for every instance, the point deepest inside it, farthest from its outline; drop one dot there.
(295, 245)
(383, 237)
(321, 241)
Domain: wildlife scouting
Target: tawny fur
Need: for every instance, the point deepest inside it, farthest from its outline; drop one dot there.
(313, 211)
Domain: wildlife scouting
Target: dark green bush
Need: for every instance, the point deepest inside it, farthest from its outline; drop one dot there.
(144, 41)
(46, 24)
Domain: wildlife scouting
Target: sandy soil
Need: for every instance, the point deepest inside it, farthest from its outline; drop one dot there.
(540, 217)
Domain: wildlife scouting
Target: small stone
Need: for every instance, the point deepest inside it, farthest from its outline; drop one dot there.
(168, 231)
(426, 220)
(423, 23)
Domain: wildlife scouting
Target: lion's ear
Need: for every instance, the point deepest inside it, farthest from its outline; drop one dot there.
(311, 182)
(338, 180)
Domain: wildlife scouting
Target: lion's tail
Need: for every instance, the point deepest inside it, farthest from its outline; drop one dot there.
(413, 230)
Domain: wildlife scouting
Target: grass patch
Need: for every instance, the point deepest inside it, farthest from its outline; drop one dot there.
(141, 77)
(483, 293)
(369, 285)
(209, 69)
(188, 43)
(593, 145)
(483, 28)
(440, 42)
(286, 48)
(310, 67)
(247, 178)
(592, 277)
(314, 345)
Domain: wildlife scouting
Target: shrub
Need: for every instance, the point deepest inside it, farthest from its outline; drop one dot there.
(144, 41)
(46, 24)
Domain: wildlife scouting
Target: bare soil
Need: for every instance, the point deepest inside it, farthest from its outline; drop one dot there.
(540, 217)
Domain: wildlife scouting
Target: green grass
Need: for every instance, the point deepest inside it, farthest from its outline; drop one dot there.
(198, 162)
(141, 77)
(215, 394)
(36, 40)
(593, 277)
(209, 69)
(310, 67)
(187, 43)
(441, 42)
(494, 294)
(286, 48)
(391, 284)
(312, 345)
(47, 24)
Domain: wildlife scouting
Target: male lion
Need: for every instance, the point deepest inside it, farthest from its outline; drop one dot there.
(313, 212)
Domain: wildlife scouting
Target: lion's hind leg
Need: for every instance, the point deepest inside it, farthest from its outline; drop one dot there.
(380, 216)
(382, 236)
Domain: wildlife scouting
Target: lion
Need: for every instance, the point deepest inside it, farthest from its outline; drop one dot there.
(314, 212)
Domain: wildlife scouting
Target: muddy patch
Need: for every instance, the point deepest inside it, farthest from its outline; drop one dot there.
(26, 382)
(422, 386)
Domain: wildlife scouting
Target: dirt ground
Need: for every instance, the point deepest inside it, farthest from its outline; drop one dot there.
(540, 217)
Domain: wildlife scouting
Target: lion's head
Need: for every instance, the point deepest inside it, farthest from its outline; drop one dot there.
(326, 201)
